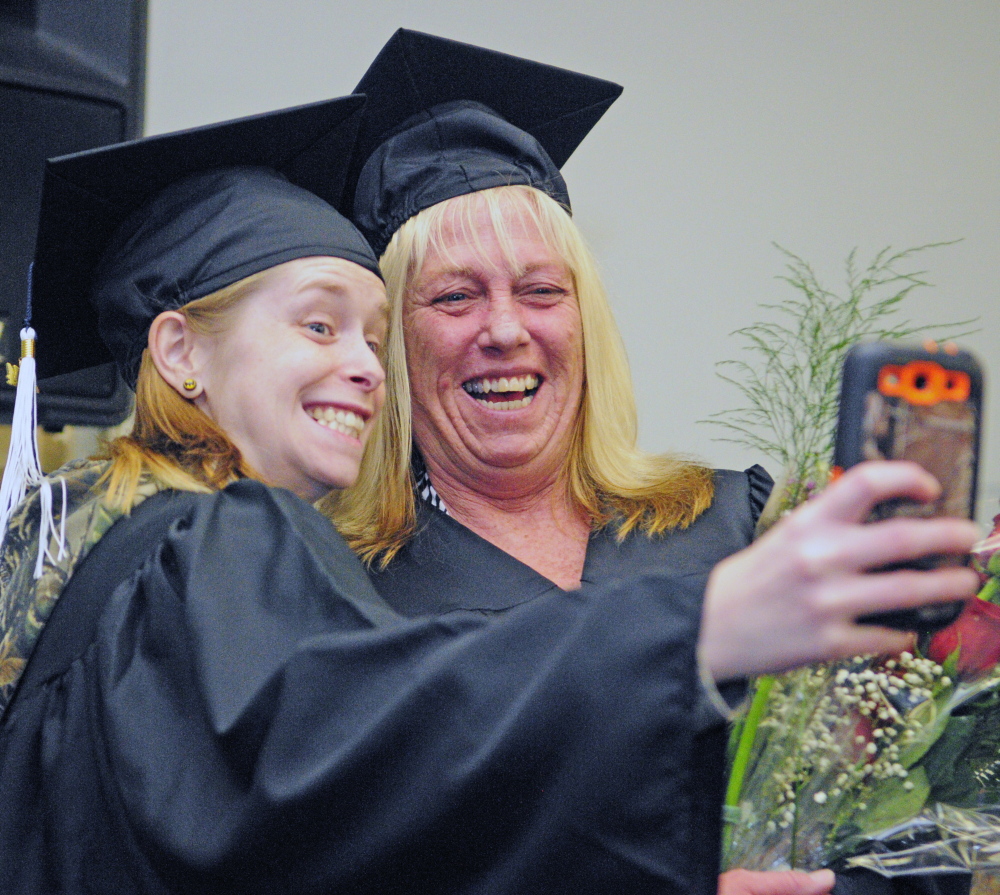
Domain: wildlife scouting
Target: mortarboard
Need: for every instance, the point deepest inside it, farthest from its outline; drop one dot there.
(446, 118)
(130, 230)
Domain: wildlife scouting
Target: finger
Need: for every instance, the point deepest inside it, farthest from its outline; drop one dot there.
(858, 548)
(905, 540)
(903, 589)
(785, 882)
(853, 496)
(837, 641)
(870, 640)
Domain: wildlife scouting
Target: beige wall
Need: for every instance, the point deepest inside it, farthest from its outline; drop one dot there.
(821, 126)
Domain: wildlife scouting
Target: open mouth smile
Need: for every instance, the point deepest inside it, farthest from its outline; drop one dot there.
(345, 421)
(504, 393)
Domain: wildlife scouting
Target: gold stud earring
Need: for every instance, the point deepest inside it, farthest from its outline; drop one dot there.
(190, 385)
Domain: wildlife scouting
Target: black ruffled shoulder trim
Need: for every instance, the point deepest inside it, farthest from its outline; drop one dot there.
(761, 484)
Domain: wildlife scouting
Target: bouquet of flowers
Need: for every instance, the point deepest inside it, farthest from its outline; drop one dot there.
(887, 763)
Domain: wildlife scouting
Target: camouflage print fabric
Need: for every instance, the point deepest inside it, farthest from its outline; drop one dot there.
(27, 602)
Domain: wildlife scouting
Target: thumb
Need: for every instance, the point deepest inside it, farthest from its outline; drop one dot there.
(776, 882)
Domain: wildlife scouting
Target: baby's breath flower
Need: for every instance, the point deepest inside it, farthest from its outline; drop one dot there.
(833, 732)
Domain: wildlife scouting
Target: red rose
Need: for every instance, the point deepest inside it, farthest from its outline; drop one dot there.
(863, 735)
(976, 636)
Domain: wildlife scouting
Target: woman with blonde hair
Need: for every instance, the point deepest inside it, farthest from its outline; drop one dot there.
(201, 690)
(608, 476)
(165, 609)
(504, 474)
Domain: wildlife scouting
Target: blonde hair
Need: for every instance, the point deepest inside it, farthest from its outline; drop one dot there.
(609, 477)
(172, 440)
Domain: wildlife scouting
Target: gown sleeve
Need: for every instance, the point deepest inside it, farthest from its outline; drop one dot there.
(866, 882)
(252, 717)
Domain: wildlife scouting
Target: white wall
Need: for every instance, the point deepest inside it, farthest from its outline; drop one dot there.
(821, 126)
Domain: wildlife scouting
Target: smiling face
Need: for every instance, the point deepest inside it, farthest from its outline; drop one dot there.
(294, 379)
(494, 347)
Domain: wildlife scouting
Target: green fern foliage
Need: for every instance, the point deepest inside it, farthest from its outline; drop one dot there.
(789, 380)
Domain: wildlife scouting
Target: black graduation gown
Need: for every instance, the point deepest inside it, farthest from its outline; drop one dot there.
(250, 716)
(448, 567)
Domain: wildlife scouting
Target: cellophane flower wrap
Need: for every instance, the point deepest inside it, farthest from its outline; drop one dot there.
(892, 764)
(887, 763)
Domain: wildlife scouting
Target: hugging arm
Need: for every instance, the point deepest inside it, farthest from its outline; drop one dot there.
(263, 721)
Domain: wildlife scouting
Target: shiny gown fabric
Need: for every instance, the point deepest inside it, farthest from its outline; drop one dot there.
(250, 716)
(661, 832)
(447, 568)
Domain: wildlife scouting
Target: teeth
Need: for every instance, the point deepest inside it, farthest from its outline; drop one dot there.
(503, 384)
(509, 405)
(345, 421)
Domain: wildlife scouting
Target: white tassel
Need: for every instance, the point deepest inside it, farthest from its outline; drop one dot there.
(48, 521)
(23, 469)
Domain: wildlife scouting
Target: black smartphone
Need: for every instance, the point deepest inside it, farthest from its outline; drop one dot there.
(924, 404)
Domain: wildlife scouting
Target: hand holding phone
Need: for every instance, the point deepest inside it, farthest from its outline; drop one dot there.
(923, 404)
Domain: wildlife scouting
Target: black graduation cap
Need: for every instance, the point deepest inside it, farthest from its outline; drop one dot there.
(446, 118)
(130, 230)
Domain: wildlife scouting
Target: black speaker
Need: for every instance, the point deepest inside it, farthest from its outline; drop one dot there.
(72, 77)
